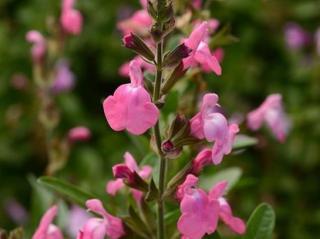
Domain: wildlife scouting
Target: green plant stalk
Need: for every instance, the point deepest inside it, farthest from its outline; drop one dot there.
(157, 137)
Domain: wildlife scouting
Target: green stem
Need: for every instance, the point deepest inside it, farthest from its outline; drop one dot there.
(157, 136)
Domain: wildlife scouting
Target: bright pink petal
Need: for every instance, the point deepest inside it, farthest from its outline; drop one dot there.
(145, 171)
(43, 228)
(218, 190)
(196, 36)
(130, 162)
(71, 21)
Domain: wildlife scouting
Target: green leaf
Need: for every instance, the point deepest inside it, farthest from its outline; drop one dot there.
(243, 141)
(232, 175)
(72, 192)
(261, 223)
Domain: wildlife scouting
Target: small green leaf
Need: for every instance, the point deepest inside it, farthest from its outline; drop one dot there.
(243, 141)
(231, 175)
(261, 223)
(72, 192)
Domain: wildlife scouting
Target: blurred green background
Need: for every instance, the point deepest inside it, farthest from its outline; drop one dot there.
(259, 63)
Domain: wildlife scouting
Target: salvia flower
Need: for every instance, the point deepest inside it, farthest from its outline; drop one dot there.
(272, 113)
(130, 107)
(200, 211)
(64, 78)
(99, 228)
(203, 158)
(39, 47)
(126, 171)
(47, 230)
(70, 19)
(212, 125)
(201, 54)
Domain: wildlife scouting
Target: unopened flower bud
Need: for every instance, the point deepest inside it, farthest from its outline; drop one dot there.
(79, 133)
(136, 44)
(178, 72)
(170, 150)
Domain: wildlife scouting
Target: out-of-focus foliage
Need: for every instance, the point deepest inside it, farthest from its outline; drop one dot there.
(259, 63)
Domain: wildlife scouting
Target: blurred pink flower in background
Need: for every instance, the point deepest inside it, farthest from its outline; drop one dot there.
(79, 134)
(19, 81)
(98, 228)
(47, 230)
(16, 211)
(131, 107)
(39, 45)
(295, 36)
(64, 78)
(140, 22)
(70, 19)
(272, 113)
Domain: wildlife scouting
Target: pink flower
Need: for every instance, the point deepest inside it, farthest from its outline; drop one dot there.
(64, 78)
(70, 19)
(140, 23)
(272, 113)
(98, 228)
(130, 107)
(211, 125)
(201, 53)
(126, 170)
(200, 211)
(199, 215)
(39, 47)
(79, 133)
(46, 230)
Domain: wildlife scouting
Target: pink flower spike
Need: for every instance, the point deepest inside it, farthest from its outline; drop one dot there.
(130, 107)
(39, 47)
(70, 19)
(79, 134)
(46, 230)
(272, 113)
(98, 228)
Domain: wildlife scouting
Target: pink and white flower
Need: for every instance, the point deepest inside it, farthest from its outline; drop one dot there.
(131, 166)
(99, 228)
(200, 211)
(130, 108)
(211, 125)
(47, 230)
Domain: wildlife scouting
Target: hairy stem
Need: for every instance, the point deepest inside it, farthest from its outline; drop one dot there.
(157, 137)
